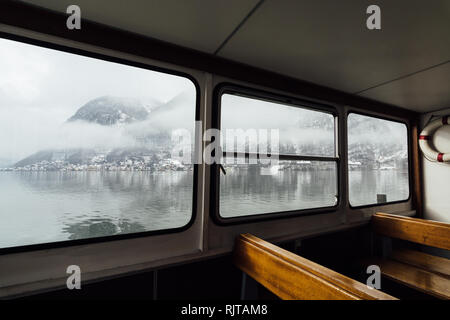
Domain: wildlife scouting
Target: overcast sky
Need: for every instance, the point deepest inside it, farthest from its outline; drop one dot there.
(41, 88)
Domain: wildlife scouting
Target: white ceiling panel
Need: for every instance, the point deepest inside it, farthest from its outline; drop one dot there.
(423, 92)
(197, 24)
(327, 41)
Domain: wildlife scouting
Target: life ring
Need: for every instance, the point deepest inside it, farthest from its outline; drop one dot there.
(425, 141)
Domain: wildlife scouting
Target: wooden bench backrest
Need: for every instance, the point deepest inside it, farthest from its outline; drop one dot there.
(290, 276)
(426, 232)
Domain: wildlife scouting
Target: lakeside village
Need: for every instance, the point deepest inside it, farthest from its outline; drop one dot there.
(155, 164)
(162, 161)
(164, 165)
(152, 163)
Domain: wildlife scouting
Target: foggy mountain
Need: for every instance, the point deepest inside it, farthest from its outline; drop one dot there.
(116, 129)
(376, 143)
(109, 110)
(73, 156)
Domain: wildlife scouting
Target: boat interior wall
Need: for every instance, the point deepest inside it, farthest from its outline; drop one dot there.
(112, 258)
(436, 175)
(206, 239)
(223, 236)
(435, 179)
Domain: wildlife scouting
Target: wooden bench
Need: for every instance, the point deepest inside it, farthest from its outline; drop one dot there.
(415, 269)
(292, 277)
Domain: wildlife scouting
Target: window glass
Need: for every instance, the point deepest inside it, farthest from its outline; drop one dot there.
(377, 160)
(301, 131)
(294, 182)
(292, 185)
(85, 147)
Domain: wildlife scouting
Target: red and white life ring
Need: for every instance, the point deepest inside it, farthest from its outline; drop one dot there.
(425, 141)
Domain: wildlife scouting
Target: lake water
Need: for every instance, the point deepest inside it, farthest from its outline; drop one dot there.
(248, 192)
(41, 207)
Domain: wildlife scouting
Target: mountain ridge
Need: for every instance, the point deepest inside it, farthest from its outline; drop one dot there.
(111, 110)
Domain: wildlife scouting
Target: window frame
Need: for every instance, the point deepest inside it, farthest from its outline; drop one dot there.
(126, 62)
(409, 145)
(258, 94)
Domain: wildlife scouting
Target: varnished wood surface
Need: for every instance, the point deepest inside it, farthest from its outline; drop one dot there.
(416, 170)
(290, 276)
(427, 262)
(416, 278)
(426, 232)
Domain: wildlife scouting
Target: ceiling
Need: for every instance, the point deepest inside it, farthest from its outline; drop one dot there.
(406, 63)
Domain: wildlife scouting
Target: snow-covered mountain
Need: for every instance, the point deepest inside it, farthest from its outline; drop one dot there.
(116, 129)
(120, 128)
(108, 110)
(377, 143)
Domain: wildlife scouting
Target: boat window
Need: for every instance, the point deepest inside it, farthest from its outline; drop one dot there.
(302, 171)
(377, 160)
(86, 147)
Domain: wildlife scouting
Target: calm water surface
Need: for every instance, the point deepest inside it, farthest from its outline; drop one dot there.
(40, 207)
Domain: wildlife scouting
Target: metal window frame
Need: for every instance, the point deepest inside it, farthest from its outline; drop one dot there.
(409, 146)
(131, 63)
(258, 94)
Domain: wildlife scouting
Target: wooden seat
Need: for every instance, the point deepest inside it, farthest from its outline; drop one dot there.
(421, 271)
(419, 279)
(437, 265)
(426, 232)
(292, 277)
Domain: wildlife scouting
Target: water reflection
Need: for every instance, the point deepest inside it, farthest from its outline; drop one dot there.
(39, 207)
(246, 190)
(366, 184)
(98, 227)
